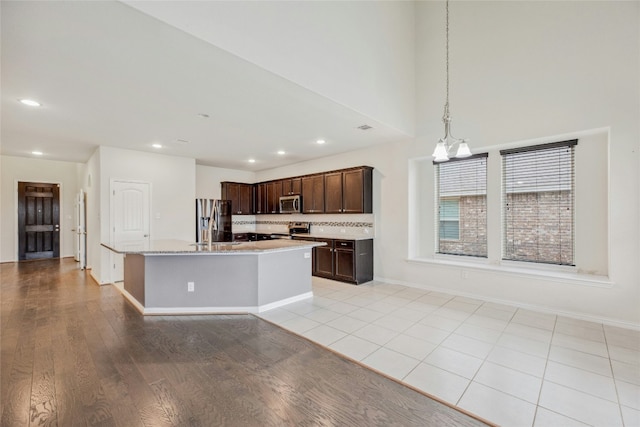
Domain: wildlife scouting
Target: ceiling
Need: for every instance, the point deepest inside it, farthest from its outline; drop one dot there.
(107, 74)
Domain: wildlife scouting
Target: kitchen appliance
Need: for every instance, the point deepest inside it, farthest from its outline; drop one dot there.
(213, 221)
(299, 228)
(290, 204)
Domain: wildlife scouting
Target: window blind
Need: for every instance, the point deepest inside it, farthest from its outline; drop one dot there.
(461, 206)
(538, 189)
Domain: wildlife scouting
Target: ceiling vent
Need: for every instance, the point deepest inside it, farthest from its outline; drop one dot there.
(364, 127)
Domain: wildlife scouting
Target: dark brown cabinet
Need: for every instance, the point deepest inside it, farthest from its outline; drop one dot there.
(291, 186)
(274, 191)
(241, 196)
(313, 194)
(342, 191)
(348, 191)
(323, 259)
(260, 198)
(348, 261)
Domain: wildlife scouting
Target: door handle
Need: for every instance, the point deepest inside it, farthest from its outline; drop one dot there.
(146, 235)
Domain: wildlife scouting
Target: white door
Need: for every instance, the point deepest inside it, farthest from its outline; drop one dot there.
(81, 231)
(130, 207)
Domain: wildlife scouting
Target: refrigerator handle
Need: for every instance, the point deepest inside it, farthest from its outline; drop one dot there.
(214, 217)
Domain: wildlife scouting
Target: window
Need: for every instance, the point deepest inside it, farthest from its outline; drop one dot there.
(461, 203)
(450, 219)
(538, 190)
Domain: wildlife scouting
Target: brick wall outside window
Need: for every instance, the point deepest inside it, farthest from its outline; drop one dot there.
(473, 228)
(540, 227)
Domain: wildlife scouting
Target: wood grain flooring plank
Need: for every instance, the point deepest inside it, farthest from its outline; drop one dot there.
(79, 354)
(43, 410)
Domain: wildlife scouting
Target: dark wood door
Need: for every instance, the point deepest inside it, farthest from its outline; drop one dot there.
(353, 195)
(333, 192)
(323, 262)
(313, 194)
(344, 264)
(291, 186)
(261, 199)
(241, 196)
(274, 191)
(38, 220)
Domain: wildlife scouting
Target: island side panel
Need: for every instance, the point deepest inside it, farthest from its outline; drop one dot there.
(134, 276)
(283, 275)
(219, 281)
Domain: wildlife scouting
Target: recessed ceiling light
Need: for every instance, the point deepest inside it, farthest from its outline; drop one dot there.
(203, 115)
(321, 141)
(30, 102)
(252, 160)
(156, 145)
(37, 153)
(281, 152)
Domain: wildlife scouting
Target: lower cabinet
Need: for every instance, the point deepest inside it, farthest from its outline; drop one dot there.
(348, 261)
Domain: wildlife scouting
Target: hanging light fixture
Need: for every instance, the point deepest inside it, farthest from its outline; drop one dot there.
(446, 144)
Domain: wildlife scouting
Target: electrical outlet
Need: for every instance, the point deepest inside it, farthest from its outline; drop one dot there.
(191, 286)
(307, 254)
(464, 274)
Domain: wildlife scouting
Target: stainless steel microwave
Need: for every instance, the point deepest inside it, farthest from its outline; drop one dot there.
(290, 204)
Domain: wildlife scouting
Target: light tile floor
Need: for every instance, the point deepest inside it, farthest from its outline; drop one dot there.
(512, 366)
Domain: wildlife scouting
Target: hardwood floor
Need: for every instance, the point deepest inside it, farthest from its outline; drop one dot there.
(74, 353)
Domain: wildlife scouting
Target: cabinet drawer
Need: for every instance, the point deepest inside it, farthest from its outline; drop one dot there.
(344, 244)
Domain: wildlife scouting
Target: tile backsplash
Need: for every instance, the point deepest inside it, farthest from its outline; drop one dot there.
(330, 224)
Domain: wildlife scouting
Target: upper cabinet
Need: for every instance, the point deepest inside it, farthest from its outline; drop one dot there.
(241, 196)
(348, 191)
(342, 191)
(260, 202)
(274, 191)
(291, 186)
(313, 194)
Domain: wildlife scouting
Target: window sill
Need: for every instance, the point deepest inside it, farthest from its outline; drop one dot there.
(537, 272)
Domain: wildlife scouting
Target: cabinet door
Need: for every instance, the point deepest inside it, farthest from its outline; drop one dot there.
(353, 194)
(274, 191)
(333, 192)
(344, 264)
(245, 199)
(260, 198)
(313, 194)
(291, 186)
(323, 263)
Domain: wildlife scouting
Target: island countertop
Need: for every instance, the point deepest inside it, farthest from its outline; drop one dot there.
(176, 247)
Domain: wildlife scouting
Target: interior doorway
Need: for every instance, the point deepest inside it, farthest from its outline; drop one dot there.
(38, 220)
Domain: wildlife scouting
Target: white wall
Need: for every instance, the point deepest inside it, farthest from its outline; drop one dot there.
(208, 179)
(173, 183)
(520, 71)
(358, 53)
(16, 169)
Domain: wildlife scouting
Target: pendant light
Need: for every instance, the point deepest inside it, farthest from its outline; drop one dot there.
(446, 144)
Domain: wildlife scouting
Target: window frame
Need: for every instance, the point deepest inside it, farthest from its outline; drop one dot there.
(544, 184)
(474, 184)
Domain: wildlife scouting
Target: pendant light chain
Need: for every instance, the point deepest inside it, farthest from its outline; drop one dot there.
(446, 144)
(447, 52)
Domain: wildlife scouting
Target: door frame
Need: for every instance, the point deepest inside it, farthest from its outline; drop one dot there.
(16, 215)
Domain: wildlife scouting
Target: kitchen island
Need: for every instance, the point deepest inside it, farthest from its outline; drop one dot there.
(177, 277)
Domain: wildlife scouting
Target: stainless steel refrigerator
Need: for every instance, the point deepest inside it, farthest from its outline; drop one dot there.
(213, 221)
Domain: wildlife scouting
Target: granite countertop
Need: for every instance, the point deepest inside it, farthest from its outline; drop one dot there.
(172, 247)
(335, 236)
